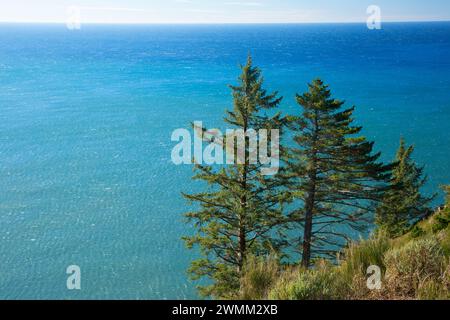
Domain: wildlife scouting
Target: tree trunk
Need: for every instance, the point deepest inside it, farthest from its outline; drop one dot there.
(310, 200)
(242, 248)
(307, 234)
(242, 219)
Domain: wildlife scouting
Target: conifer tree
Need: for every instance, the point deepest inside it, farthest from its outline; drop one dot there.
(334, 176)
(445, 210)
(403, 205)
(447, 197)
(241, 206)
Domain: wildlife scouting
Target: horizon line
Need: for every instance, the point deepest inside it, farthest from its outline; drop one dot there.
(220, 23)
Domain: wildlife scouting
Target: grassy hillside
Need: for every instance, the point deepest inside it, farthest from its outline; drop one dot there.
(414, 266)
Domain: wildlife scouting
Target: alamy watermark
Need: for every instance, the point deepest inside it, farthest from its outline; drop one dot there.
(374, 19)
(233, 147)
(374, 279)
(74, 278)
(73, 21)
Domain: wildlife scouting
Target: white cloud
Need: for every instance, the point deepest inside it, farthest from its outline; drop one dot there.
(120, 9)
(244, 4)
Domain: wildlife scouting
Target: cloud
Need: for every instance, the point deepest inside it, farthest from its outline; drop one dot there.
(120, 9)
(244, 4)
(206, 11)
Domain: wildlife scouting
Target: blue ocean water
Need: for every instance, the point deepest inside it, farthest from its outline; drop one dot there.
(86, 118)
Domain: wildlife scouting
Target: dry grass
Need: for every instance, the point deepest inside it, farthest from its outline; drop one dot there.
(416, 265)
(259, 275)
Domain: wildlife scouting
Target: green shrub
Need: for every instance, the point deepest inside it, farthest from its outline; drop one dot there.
(441, 221)
(359, 256)
(282, 287)
(444, 238)
(259, 274)
(417, 232)
(316, 284)
(442, 218)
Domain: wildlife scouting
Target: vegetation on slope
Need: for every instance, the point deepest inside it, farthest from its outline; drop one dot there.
(413, 266)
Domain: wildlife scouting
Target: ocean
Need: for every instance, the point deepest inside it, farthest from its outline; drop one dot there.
(86, 118)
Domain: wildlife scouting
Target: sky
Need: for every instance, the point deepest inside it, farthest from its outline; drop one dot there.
(220, 11)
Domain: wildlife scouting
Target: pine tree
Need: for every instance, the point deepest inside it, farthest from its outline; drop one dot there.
(403, 205)
(441, 219)
(333, 174)
(241, 206)
(447, 197)
(445, 210)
